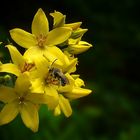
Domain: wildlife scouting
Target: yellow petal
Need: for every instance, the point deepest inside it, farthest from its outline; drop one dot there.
(72, 41)
(10, 68)
(22, 84)
(81, 47)
(78, 33)
(58, 36)
(32, 53)
(55, 53)
(79, 82)
(75, 76)
(8, 113)
(39, 98)
(53, 97)
(29, 115)
(74, 26)
(37, 86)
(70, 62)
(42, 65)
(58, 19)
(57, 110)
(40, 25)
(23, 38)
(77, 93)
(16, 56)
(7, 94)
(71, 66)
(53, 59)
(65, 105)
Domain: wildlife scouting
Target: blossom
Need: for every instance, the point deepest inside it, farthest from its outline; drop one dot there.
(76, 46)
(50, 83)
(20, 100)
(45, 81)
(76, 34)
(45, 72)
(20, 63)
(59, 21)
(70, 92)
(41, 38)
(74, 43)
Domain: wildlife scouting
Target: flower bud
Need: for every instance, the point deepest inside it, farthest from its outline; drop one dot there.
(59, 19)
(78, 33)
(78, 47)
(74, 25)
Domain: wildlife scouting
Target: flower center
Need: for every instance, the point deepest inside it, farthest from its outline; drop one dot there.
(41, 39)
(21, 100)
(27, 67)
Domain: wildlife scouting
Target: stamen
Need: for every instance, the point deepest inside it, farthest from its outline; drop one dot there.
(27, 67)
(41, 40)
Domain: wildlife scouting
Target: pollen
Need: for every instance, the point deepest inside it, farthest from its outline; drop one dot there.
(27, 67)
(41, 39)
(50, 79)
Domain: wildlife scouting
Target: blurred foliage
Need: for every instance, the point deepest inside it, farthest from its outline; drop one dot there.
(110, 69)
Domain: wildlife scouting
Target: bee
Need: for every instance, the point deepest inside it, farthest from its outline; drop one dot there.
(56, 76)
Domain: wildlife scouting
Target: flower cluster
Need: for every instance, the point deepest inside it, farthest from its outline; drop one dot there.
(45, 73)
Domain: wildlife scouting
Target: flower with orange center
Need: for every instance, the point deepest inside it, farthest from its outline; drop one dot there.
(41, 39)
(20, 100)
(19, 65)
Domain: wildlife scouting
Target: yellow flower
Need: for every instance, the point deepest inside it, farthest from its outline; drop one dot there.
(20, 100)
(19, 65)
(50, 75)
(69, 92)
(52, 83)
(59, 21)
(76, 46)
(55, 80)
(77, 91)
(78, 33)
(41, 38)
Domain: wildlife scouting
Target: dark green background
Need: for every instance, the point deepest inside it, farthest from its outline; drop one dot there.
(110, 69)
